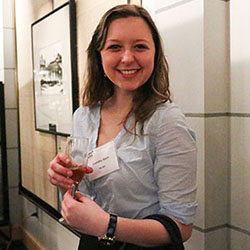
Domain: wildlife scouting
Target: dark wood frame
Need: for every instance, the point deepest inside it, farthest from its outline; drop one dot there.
(52, 129)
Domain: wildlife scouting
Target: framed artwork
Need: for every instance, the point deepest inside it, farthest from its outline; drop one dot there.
(55, 70)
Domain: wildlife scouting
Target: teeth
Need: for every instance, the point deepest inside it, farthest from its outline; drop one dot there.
(127, 72)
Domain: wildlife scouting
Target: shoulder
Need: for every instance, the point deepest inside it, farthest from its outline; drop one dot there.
(85, 120)
(168, 113)
(83, 112)
(169, 118)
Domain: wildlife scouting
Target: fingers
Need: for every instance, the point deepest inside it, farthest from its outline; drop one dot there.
(68, 195)
(85, 168)
(79, 197)
(63, 159)
(59, 180)
(58, 173)
(60, 164)
(88, 170)
(67, 205)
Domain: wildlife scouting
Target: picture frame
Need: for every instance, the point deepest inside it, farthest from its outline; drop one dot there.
(55, 80)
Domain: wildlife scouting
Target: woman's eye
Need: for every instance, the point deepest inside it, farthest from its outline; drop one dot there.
(114, 47)
(140, 46)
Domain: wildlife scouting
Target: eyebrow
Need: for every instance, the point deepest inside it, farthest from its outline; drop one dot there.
(137, 40)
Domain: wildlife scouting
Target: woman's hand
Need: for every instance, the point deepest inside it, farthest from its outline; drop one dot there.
(84, 215)
(59, 173)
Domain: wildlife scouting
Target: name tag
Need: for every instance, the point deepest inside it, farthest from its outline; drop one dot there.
(103, 160)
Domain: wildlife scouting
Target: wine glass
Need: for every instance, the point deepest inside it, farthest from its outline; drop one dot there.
(77, 149)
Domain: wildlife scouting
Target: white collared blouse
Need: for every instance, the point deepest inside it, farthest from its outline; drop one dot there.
(157, 170)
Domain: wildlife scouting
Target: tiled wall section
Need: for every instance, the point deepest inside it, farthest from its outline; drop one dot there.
(197, 76)
(240, 183)
(216, 56)
(184, 45)
(216, 173)
(8, 74)
(239, 240)
(240, 56)
(240, 125)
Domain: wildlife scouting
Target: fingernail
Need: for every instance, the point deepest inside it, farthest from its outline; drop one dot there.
(69, 173)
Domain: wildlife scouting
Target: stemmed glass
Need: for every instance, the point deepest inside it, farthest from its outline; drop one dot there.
(77, 149)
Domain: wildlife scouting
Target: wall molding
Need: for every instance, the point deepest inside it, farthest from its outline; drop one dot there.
(238, 229)
(240, 114)
(172, 6)
(215, 228)
(212, 115)
(210, 229)
(177, 4)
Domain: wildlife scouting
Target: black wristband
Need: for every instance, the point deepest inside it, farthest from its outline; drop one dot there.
(109, 238)
(112, 225)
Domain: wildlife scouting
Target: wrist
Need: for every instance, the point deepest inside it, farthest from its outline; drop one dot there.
(102, 224)
(108, 238)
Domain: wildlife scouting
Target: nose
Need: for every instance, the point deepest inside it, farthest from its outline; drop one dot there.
(127, 56)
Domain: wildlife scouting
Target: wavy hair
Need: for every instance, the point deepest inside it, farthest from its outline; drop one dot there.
(98, 88)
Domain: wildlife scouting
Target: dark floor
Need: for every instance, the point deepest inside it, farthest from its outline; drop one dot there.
(15, 245)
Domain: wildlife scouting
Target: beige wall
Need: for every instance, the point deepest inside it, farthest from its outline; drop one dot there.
(240, 125)
(196, 40)
(209, 55)
(36, 148)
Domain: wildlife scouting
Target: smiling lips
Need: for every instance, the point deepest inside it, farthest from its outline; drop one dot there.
(129, 72)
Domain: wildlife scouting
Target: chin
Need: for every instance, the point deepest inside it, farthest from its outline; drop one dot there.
(130, 87)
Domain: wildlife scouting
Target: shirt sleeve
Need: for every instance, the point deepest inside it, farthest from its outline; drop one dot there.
(175, 167)
(78, 117)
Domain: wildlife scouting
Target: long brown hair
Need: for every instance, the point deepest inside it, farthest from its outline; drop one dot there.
(98, 88)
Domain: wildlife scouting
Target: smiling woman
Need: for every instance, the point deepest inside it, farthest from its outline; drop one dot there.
(128, 116)
(128, 54)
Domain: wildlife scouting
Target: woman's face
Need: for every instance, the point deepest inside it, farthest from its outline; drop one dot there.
(128, 53)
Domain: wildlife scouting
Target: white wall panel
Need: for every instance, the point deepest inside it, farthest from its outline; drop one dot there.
(240, 56)
(183, 43)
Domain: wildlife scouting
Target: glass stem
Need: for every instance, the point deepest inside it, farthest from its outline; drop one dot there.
(74, 188)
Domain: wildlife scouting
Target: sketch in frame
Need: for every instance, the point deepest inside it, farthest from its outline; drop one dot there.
(52, 71)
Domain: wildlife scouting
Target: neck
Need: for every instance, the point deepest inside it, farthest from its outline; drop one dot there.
(120, 101)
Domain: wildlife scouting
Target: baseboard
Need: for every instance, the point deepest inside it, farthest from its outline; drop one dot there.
(12, 232)
(30, 242)
(20, 233)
